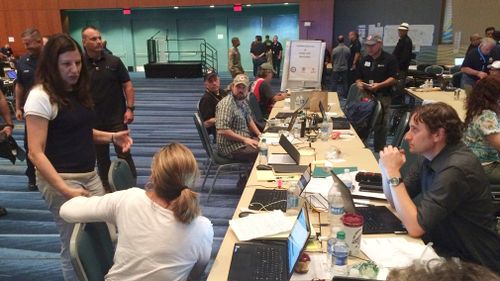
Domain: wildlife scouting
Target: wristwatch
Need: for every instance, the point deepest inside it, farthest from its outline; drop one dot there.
(132, 108)
(393, 182)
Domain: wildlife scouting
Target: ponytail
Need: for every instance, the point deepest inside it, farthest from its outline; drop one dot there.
(186, 207)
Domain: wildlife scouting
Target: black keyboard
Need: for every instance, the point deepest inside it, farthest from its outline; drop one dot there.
(270, 263)
(268, 199)
(379, 220)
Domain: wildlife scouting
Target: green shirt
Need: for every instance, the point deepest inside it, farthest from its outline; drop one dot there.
(475, 136)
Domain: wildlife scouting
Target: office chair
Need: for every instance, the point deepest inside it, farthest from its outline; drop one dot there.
(120, 176)
(354, 94)
(434, 69)
(401, 129)
(376, 115)
(91, 251)
(225, 165)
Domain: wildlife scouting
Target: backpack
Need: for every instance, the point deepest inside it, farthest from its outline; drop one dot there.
(359, 113)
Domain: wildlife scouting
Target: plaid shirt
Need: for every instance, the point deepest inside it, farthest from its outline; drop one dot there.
(233, 116)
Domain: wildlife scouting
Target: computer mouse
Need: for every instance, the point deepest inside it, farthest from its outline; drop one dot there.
(244, 214)
(264, 167)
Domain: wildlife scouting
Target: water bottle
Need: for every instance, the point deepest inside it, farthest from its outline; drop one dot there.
(336, 206)
(263, 152)
(347, 179)
(431, 84)
(332, 239)
(292, 201)
(298, 102)
(324, 130)
(340, 255)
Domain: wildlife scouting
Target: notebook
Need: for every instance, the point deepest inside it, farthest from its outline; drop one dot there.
(377, 219)
(270, 260)
(276, 199)
(292, 155)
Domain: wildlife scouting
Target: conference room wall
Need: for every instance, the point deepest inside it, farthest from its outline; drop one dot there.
(127, 34)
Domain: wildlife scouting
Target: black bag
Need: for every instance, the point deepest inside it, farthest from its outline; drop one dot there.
(360, 114)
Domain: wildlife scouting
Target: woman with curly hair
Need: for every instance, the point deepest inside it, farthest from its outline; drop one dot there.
(482, 134)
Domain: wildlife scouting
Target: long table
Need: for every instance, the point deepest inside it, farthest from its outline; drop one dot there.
(354, 153)
(441, 96)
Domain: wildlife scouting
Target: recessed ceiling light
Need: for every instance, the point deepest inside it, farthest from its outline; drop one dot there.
(248, 5)
(176, 7)
(286, 3)
(212, 6)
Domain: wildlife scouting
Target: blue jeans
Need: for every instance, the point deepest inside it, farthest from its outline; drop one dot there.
(54, 199)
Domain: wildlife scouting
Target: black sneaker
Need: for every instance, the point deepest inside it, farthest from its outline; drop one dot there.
(32, 187)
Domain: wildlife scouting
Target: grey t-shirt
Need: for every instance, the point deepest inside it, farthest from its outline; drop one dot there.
(454, 205)
(340, 57)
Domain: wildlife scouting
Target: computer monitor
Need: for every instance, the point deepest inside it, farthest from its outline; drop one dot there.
(459, 61)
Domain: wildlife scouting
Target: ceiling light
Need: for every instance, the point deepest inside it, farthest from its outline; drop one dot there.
(212, 6)
(176, 7)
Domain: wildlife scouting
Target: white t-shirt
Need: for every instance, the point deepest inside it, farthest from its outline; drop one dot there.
(38, 103)
(152, 243)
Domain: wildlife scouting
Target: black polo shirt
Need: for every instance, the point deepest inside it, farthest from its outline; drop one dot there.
(207, 105)
(402, 52)
(354, 47)
(477, 61)
(107, 75)
(378, 70)
(277, 49)
(26, 66)
(454, 207)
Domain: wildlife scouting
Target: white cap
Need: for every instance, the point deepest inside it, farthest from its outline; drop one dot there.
(495, 65)
(404, 26)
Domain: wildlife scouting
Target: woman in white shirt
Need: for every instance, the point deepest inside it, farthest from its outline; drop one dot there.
(161, 233)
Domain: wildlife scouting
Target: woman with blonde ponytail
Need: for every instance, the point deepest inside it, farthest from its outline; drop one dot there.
(162, 235)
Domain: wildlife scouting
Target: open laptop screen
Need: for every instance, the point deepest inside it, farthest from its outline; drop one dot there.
(297, 240)
(290, 149)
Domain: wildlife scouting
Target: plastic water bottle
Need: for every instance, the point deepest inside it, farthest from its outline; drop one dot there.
(347, 179)
(298, 103)
(431, 84)
(263, 152)
(340, 254)
(324, 130)
(336, 206)
(332, 239)
(292, 201)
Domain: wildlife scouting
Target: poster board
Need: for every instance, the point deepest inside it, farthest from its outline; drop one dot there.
(303, 65)
(420, 34)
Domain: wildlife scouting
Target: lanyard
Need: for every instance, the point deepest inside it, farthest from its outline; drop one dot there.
(483, 59)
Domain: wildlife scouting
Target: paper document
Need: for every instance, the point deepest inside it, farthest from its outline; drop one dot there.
(261, 225)
(395, 251)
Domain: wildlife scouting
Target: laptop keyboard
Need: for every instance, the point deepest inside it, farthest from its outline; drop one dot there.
(268, 199)
(378, 220)
(272, 265)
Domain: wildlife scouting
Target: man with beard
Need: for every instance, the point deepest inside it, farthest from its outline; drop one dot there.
(234, 122)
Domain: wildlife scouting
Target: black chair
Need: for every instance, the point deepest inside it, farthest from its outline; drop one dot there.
(401, 129)
(376, 115)
(225, 165)
(91, 250)
(259, 119)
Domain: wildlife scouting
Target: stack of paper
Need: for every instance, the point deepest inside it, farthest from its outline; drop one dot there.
(261, 225)
(395, 251)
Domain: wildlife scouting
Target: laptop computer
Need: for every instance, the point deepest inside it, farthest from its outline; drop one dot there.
(286, 163)
(270, 260)
(377, 219)
(276, 129)
(284, 115)
(276, 199)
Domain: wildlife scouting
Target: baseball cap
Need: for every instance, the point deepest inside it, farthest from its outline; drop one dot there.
(495, 65)
(210, 75)
(373, 39)
(267, 66)
(404, 26)
(241, 79)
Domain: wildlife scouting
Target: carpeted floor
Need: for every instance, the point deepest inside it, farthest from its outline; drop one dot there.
(29, 243)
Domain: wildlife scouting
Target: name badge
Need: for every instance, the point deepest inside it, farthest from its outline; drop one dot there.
(368, 64)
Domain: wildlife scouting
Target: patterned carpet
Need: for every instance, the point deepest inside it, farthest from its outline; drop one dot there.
(29, 243)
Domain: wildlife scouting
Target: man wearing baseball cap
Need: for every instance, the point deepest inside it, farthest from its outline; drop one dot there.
(378, 70)
(403, 49)
(208, 102)
(236, 130)
(262, 90)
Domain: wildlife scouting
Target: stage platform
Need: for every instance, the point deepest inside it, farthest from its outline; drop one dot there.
(174, 69)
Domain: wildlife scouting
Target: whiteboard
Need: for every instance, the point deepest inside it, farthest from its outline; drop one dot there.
(420, 34)
(303, 64)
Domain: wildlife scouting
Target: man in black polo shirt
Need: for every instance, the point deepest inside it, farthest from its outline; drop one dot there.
(113, 95)
(378, 69)
(446, 197)
(355, 49)
(208, 102)
(475, 65)
(26, 65)
(403, 50)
